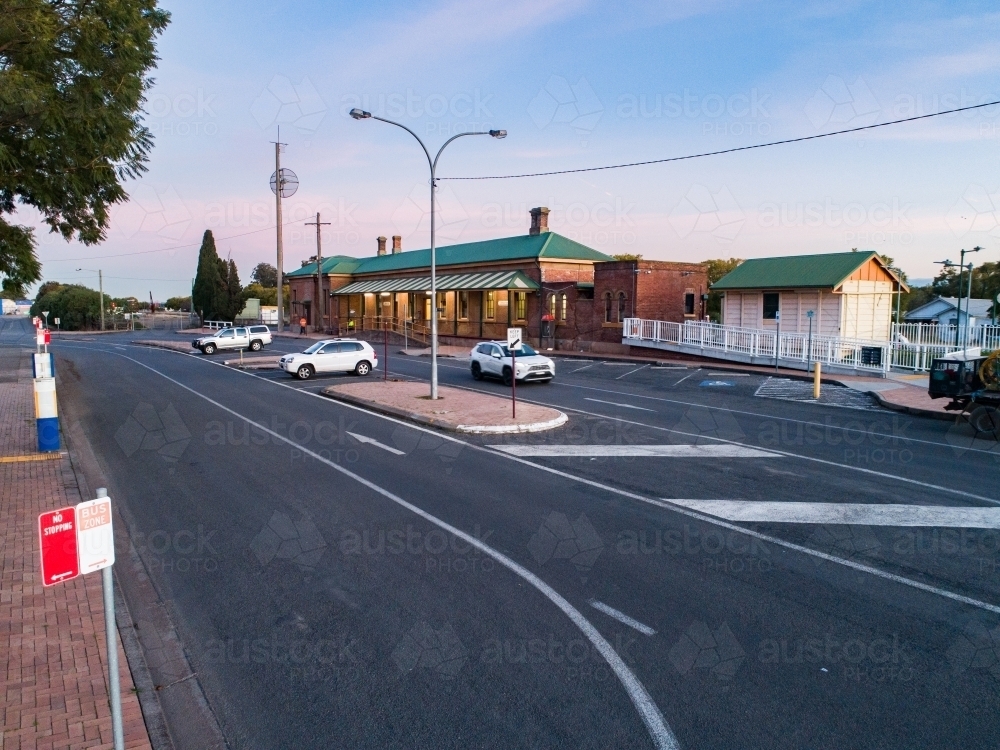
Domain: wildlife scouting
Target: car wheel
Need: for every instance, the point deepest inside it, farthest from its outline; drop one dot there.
(477, 371)
(208, 349)
(362, 368)
(508, 378)
(305, 372)
(256, 346)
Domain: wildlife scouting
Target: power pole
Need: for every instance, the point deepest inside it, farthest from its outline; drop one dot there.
(281, 254)
(100, 285)
(320, 299)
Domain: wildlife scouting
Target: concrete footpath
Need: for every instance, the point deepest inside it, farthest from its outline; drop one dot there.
(52, 645)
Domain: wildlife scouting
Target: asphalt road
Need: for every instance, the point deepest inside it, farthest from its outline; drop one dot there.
(434, 590)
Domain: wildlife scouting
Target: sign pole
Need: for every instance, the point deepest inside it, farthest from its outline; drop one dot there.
(110, 630)
(385, 351)
(513, 384)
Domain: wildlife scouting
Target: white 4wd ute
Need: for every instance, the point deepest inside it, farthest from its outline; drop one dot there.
(253, 338)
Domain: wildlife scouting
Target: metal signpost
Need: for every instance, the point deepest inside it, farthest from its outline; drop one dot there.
(777, 338)
(513, 343)
(80, 540)
(809, 356)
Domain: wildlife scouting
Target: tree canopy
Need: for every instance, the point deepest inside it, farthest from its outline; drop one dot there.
(266, 275)
(73, 77)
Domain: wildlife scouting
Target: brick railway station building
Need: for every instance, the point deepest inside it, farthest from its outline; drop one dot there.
(564, 295)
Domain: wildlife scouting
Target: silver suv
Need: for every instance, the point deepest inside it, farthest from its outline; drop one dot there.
(253, 338)
(493, 359)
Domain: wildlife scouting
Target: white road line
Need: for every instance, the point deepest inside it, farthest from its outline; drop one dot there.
(376, 443)
(621, 617)
(860, 514)
(731, 374)
(582, 368)
(618, 451)
(656, 725)
(615, 403)
(631, 371)
(687, 376)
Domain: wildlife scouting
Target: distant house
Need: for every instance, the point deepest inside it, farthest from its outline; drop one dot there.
(944, 311)
(7, 306)
(852, 295)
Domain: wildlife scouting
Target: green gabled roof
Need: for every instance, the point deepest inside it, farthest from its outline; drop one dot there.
(825, 271)
(344, 264)
(528, 246)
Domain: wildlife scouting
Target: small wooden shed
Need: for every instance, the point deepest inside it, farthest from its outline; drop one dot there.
(852, 295)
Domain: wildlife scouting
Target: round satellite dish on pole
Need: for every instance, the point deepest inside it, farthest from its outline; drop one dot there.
(289, 183)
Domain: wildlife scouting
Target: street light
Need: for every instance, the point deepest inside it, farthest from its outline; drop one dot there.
(961, 275)
(360, 114)
(100, 284)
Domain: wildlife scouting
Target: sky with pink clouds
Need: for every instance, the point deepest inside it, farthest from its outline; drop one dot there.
(576, 84)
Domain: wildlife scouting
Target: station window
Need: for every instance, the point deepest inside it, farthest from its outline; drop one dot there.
(689, 303)
(562, 308)
(771, 302)
(621, 306)
(491, 305)
(607, 307)
(552, 305)
(442, 305)
(520, 305)
(463, 305)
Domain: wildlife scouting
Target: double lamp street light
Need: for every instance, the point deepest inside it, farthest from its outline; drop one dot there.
(359, 114)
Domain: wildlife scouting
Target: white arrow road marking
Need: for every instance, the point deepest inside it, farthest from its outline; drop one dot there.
(615, 403)
(376, 443)
(618, 451)
(860, 514)
(621, 617)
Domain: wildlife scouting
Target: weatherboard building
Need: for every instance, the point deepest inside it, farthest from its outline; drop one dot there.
(562, 293)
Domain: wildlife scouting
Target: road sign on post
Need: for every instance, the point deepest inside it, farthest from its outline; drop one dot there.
(95, 537)
(513, 338)
(513, 344)
(57, 538)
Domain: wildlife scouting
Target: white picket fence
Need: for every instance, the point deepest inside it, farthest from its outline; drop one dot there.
(913, 346)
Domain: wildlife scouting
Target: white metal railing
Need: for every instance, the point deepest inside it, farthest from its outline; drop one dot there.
(752, 342)
(913, 346)
(217, 324)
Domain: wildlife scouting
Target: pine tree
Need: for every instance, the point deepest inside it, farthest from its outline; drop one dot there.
(208, 280)
(234, 291)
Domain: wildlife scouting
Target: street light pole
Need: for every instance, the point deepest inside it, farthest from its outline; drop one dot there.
(359, 114)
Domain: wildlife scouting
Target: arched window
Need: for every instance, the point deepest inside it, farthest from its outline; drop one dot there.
(621, 306)
(552, 305)
(607, 307)
(562, 308)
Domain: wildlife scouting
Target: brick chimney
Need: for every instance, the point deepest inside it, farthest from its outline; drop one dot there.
(397, 244)
(381, 246)
(539, 220)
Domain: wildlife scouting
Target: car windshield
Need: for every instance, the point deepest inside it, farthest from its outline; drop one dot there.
(314, 348)
(524, 351)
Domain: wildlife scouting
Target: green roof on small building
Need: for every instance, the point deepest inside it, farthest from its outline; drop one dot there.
(547, 245)
(825, 271)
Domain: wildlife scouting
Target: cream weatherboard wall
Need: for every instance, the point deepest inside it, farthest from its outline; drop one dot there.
(867, 310)
(746, 309)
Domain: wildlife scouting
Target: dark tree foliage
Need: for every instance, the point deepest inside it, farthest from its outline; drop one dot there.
(73, 77)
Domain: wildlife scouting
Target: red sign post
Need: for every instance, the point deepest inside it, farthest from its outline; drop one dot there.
(57, 535)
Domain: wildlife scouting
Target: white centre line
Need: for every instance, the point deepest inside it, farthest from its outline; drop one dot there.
(376, 443)
(721, 450)
(631, 371)
(615, 403)
(621, 617)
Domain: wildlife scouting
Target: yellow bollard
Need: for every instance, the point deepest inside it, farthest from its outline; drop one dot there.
(816, 377)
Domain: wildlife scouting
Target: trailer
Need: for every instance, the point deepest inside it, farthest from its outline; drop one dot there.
(971, 380)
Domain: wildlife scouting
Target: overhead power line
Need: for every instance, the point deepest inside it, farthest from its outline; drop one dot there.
(727, 150)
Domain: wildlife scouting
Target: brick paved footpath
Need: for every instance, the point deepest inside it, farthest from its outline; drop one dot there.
(53, 654)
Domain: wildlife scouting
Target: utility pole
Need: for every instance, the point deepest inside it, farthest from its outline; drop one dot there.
(320, 299)
(281, 252)
(100, 286)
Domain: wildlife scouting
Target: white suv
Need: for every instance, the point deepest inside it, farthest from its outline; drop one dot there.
(253, 338)
(493, 358)
(331, 355)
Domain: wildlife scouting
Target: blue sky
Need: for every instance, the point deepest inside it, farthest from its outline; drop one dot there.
(576, 84)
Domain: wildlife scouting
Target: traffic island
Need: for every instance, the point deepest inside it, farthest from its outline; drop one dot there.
(456, 409)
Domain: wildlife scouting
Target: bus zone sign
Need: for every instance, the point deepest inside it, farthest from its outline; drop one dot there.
(76, 541)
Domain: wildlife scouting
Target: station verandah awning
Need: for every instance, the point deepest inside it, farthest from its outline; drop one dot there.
(512, 280)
